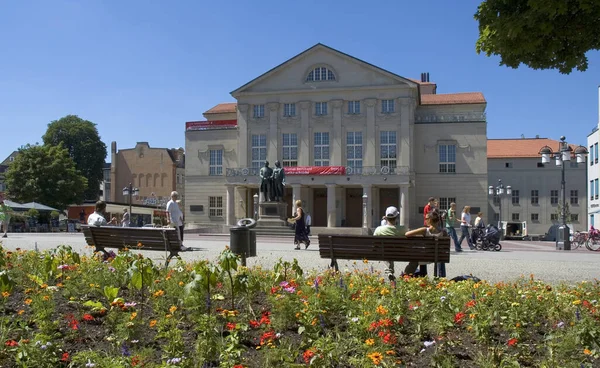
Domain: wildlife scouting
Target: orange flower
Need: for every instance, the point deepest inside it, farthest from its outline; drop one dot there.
(21, 312)
(153, 323)
(369, 342)
(5, 294)
(28, 301)
(133, 315)
(375, 357)
(587, 352)
(159, 293)
(139, 244)
(172, 309)
(382, 310)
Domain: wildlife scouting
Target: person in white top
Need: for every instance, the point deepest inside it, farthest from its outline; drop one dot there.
(125, 220)
(465, 223)
(97, 218)
(175, 216)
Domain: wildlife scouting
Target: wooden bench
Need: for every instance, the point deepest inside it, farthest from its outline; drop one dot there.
(166, 239)
(384, 248)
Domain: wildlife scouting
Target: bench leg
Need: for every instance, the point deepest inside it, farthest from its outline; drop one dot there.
(172, 254)
(435, 269)
(334, 264)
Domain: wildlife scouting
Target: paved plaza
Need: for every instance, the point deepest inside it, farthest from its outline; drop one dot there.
(517, 258)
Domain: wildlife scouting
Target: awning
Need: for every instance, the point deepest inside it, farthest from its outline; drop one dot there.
(38, 206)
(15, 205)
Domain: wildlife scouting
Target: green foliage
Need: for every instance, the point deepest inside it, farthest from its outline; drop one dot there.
(54, 214)
(542, 34)
(32, 213)
(45, 174)
(82, 141)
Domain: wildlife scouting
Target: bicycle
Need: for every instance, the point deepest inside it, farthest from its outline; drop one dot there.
(579, 238)
(593, 239)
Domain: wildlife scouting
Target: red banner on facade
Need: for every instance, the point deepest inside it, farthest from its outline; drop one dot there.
(211, 125)
(315, 170)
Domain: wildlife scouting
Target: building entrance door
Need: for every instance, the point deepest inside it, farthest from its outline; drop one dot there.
(353, 207)
(287, 198)
(319, 213)
(387, 197)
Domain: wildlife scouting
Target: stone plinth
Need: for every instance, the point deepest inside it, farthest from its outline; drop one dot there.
(272, 214)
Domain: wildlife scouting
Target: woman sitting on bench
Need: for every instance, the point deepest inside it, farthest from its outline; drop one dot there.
(434, 228)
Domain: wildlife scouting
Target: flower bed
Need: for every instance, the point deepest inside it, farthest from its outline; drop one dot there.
(61, 309)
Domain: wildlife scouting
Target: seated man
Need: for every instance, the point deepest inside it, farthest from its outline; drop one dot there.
(391, 228)
(97, 218)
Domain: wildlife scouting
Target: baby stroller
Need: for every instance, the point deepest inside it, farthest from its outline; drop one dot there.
(489, 239)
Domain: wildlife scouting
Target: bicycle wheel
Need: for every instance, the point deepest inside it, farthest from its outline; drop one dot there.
(593, 243)
(576, 242)
(498, 247)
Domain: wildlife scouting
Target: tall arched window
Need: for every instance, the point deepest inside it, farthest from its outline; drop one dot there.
(320, 73)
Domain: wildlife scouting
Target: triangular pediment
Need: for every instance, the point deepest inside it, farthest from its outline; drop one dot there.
(348, 72)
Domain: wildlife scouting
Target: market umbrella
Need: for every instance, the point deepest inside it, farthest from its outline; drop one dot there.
(39, 206)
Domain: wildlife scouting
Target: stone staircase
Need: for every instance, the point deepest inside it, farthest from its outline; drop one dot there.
(274, 231)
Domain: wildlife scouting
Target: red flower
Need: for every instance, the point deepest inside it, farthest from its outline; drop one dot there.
(458, 317)
(307, 355)
(65, 357)
(274, 289)
(231, 326)
(254, 324)
(88, 317)
(267, 337)
(11, 343)
(238, 366)
(470, 303)
(135, 361)
(73, 324)
(512, 342)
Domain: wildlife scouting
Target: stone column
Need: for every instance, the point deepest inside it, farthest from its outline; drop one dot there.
(336, 141)
(230, 215)
(242, 206)
(242, 122)
(370, 143)
(404, 205)
(273, 136)
(368, 215)
(331, 212)
(304, 153)
(404, 158)
(296, 195)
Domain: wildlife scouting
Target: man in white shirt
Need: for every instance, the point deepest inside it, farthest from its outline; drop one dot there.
(125, 220)
(175, 217)
(97, 218)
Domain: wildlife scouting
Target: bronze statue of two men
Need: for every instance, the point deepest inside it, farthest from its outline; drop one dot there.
(272, 182)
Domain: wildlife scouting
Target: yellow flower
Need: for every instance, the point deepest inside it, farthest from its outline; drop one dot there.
(172, 309)
(159, 293)
(472, 316)
(518, 325)
(365, 261)
(384, 291)
(390, 352)
(46, 297)
(5, 294)
(21, 312)
(376, 358)
(576, 302)
(382, 310)
(28, 301)
(153, 323)
(133, 315)
(181, 283)
(587, 352)
(369, 342)
(91, 285)
(168, 316)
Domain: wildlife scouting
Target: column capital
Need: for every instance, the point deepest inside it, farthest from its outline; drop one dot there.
(370, 102)
(273, 106)
(242, 108)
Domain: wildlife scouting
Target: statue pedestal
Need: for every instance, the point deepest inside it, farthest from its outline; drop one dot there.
(272, 214)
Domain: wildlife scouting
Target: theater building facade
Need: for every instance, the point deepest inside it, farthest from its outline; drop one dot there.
(353, 138)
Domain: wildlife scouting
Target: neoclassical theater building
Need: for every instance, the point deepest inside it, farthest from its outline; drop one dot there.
(354, 139)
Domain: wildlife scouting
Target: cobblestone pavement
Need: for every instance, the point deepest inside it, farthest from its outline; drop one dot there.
(517, 258)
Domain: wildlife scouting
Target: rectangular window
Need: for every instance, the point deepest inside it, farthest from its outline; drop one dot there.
(259, 111)
(354, 154)
(596, 189)
(515, 197)
(553, 217)
(574, 197)
(535, 217)
(515, 217)
(574, 217)
(508, 165)
(592, 155)
(387, 146)
(496, 200)
(595, 153)
(289, 109)
(447, 156)
(215, 166)
(215, 206)
(387, 106)
(321, 152)
(535, 197)
(290, 150)
(320, 108)
(591, 189)
(554, 197)
(444, 204)
(353, 107)
(259, 150)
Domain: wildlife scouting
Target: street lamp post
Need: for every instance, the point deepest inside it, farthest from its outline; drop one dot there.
(564, 154)
(129, 192)
(499, 191)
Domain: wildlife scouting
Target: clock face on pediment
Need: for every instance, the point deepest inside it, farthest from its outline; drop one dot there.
(322, 67)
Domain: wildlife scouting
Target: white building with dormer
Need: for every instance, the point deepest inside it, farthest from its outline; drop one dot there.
(346, 131)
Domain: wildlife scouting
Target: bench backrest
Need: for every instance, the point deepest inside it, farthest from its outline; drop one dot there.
(385, 248)
(130, 237)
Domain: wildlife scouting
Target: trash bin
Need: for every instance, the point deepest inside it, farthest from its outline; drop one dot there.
(242, 240)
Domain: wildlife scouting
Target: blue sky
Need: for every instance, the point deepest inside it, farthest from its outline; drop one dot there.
(141, 69)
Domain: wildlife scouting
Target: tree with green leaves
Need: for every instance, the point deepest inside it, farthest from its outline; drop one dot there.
(45, 174)
(80, 137)
(542, 34)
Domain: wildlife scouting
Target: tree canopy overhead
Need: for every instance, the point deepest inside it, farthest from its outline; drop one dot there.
(45, 174)
(80, 137)
(542, 34)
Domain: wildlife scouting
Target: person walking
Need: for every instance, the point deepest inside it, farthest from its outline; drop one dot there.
(125, 220)
(4, 218)
(465, 223)
(450, 222)
(390, 228)
(433, 228)
(175, 217)
(300, 235)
